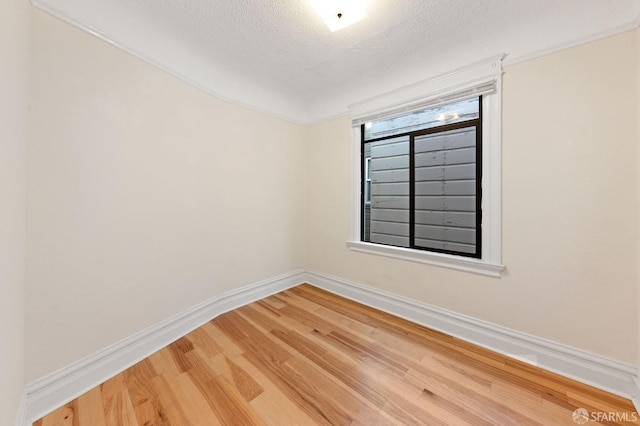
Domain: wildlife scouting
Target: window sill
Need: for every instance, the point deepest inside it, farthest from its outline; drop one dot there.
(430, 258)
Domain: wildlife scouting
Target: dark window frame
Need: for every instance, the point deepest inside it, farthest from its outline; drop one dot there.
(477, 123)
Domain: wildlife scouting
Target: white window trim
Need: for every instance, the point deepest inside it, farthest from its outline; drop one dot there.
(440, 86)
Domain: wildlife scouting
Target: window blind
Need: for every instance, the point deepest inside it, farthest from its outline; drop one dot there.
(485, 88)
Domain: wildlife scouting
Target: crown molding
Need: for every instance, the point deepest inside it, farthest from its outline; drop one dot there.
(527, 56)
(298, 114)
(191, 80)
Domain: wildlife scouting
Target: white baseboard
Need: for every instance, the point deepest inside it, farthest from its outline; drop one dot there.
(592, 369)
(21, 417)
(66, 384)
(636, 398)
(62, 386)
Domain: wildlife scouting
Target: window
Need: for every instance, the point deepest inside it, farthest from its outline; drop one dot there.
(367, 180)
(426, 171)
(422, 174)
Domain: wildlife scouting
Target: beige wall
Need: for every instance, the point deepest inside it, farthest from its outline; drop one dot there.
(145, 197)
(570, 214)
(15, 48)
(638, 169)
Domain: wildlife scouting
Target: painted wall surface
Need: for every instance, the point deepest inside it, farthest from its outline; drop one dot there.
(638, 193)
(15, 49)
(145, 197)
(570, 213)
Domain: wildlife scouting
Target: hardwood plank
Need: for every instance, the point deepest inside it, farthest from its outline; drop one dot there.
(406, 403)
(90, 409)
(229, 347)
(306, 395)
(389, 361)
(272, 301)
(273, 405)
(201, 339)
(144, 397)
(284, 321)
(306, 356)
(225, 400)
(265, 322)
(345, 371)
(552, 386)
(119, 410)
(195, 408)
(243, 382)
(350, 402)
(174, 409)
(373, 333)
(63, 416)
(179, 350)
(445, 391)
(163, 363)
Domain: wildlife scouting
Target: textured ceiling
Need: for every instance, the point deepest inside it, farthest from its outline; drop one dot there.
(279, 57)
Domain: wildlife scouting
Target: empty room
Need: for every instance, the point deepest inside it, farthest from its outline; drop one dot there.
(301, 212)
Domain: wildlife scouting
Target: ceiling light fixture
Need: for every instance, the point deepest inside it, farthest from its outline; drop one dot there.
(338, 14)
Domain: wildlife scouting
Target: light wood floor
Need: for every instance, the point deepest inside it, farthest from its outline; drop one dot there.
(305, 357)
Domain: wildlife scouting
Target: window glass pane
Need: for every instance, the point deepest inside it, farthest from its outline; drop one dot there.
(420, 185)
(387, 217)
(432, 117)
(445, 190)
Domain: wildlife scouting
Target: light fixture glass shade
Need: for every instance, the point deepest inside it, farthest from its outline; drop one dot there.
(338, 14)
